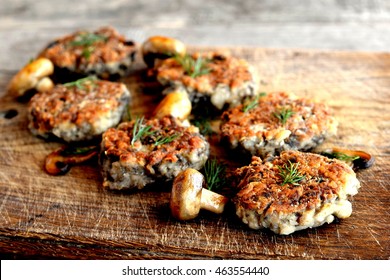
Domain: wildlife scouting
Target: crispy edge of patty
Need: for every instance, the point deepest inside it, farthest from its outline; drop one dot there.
(264, 202)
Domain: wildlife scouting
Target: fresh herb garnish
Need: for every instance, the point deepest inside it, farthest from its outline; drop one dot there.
(290, 173)
(165, 139)
(80, 83)
(204, 125)
(86, 40)
(249, 105)
(193, 67)
(283, 114)
(140, 130)
(214, 173)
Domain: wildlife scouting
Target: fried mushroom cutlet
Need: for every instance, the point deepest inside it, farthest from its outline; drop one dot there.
(294, 191)
(104, 53)
(277, 122)
(144, 151)
(211, 79)
(78, 111)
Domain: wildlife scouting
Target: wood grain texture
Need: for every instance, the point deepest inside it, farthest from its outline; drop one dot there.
(71, 216)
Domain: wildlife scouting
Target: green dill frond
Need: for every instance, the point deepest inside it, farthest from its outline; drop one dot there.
(283, 114)
(87, 39)
(160, 140)
(140, 130)
(290, 174)
(80, 83)
(215, 174)
(252, 103)
(192, 67)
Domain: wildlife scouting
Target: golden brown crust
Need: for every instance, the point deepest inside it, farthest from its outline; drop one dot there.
(261, 187)
(85, 103)
(144, 152)
(225, 70)
(308, 125)
(81, 49)
(131, 161)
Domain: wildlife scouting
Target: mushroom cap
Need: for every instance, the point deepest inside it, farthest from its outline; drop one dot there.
(30, 76)
(186, 194)
(176, 104)
(161, 47)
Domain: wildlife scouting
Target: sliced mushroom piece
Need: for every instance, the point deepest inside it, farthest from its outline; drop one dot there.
(355, 158)
(60, 161)
(33, 76)
(161, 47)
(189, 196)
(176, 104)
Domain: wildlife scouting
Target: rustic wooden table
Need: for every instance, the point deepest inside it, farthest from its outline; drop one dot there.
(339, 56)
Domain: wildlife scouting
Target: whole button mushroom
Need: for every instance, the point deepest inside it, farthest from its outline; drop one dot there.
(161, 47)
(33, 76)
(176, 104)
(189, 196)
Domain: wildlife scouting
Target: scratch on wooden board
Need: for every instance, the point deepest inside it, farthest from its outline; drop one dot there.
(371, 231)
(146, 215)
(4, 200)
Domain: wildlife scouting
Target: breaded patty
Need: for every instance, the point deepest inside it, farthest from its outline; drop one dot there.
(78, 111)
(277, 122)
(218, 80)
(294, 191)
(140, 152)
(104, 53)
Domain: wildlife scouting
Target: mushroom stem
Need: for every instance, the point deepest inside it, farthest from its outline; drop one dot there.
(212, 201)
(60, 161)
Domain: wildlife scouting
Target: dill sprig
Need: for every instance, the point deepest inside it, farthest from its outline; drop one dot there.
(160, 140)
(252, 103)
(290, 173)
(193, 67)
(283, 114)
(140, 130)
(214, 173)
(203, 123)
(87, 39)
(80, 83)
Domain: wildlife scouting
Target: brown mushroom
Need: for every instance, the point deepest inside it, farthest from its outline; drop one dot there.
(33, 76)
(189, 196)
(176, 104)
(160, 47)
(355, 158)
(60, 161)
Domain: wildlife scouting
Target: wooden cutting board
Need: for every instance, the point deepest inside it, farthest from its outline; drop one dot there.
(72, 216)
